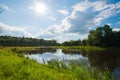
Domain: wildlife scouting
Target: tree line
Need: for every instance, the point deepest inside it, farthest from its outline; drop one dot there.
(22, 41)
(102, 36)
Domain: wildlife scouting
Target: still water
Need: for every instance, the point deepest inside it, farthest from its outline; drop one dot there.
(99, 60)
(60, 56)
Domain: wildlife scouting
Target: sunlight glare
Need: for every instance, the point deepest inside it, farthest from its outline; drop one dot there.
(39, 8)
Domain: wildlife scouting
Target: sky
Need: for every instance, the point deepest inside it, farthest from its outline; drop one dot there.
(61, 20)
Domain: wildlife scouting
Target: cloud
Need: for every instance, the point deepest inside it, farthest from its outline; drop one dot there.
(64, 12)
(112, 10)
(50, 32)
(118, 23)
(53, 32)
(72, 27)
(101, 9)
(116, 29)
(85, 15)
(56, 32)
(86, 0)
(76, 25)
(99, 5)
(82, 6)
(3, 8)
(9, 30)
(78, 22)
(60, 37)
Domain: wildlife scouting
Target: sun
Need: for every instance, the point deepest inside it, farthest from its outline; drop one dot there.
(39, 8)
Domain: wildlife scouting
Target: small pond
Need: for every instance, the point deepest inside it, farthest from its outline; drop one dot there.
(60, 56)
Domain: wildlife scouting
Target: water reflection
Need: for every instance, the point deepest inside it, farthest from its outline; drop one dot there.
(104, 61)
(59, 55)
(99, 60)
(116, 74)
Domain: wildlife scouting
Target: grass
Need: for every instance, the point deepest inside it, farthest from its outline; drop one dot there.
(13, 67)
(93, 49)
(81, 72)
(19, 48)
(16, 67)
(72, 48)
(81, 47)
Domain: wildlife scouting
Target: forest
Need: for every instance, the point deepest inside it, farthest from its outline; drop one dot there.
(23, 41)
(101, 36)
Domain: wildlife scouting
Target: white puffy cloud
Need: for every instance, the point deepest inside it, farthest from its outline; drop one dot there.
(78, 22)
(6, 29)
(64, 12)
(50, 32)
(54, 29)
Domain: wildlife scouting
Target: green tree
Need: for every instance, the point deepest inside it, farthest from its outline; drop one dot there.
(107, 38)
(84, 42)
(104, 36)
(95, 37)
(23, 41)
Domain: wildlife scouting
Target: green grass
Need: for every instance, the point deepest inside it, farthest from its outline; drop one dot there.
(72, 48)
(19, 48)
(13, 67)
(89, 48)
(81, 72)
(81, 47)
(17, 67)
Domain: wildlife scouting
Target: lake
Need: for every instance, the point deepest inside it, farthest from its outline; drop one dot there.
(98, 60)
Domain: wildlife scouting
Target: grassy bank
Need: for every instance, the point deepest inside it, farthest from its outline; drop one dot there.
(17, 67)
(90, 48)
(77, 48)
(82, 47)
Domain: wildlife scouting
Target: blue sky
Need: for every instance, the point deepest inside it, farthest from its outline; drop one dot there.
(61, 20)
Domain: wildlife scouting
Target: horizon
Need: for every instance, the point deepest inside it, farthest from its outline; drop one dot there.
(57, 20)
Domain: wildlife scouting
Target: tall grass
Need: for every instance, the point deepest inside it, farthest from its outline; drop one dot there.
(81, 72)
(17, 67)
